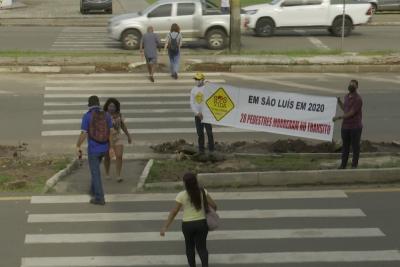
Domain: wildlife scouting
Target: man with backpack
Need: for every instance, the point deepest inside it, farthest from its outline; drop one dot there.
(97, 127)
(173, 43)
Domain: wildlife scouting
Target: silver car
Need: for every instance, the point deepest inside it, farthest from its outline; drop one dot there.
(388, 5)
(195, 18)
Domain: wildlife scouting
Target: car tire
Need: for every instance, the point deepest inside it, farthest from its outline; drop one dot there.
(265, 27)
(216, 39)
(131, 39)
(338, 24)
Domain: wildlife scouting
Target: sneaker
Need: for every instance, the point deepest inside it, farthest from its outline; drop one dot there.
(120, 180)
(176, 76)
(97, 202)
(152, 79)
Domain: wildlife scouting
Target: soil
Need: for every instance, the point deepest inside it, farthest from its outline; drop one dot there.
(19, 173)
(280, 146)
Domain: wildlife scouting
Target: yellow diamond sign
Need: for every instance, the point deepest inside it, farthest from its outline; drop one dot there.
(220, 104)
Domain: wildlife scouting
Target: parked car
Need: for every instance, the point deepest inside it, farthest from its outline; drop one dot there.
(96, 5)
(264, 19)
(195, 18)
(387, 5)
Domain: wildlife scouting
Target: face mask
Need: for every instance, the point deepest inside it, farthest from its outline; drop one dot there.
(199, 83)
(352, 88)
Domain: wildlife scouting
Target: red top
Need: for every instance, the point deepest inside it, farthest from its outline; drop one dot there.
(353, 101)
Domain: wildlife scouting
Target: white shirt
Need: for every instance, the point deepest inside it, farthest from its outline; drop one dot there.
(224, 3)
(197, 99)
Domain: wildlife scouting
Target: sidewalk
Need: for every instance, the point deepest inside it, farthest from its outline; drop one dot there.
(66, 13)
(79, 181)
(63, 13)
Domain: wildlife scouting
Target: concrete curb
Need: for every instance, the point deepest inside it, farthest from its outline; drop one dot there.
(164, 185)
(51, 182)
(144, 176)
(325, 155)
(293, 178)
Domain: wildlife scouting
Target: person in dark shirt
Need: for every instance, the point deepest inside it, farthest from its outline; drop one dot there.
(351, 125)
(149, 45)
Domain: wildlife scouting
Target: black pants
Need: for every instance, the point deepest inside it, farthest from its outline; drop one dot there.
(195, 233)
(200, 133)
(351, 137)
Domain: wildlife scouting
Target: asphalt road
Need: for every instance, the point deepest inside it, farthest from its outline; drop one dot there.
(348, 228)
(45, 110)
(364, 38)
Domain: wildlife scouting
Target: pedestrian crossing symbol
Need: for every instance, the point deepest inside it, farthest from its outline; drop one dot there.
(220, 104)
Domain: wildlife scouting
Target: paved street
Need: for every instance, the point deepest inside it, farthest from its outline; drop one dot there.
(96, 39)
(280, 228)
(45, 110)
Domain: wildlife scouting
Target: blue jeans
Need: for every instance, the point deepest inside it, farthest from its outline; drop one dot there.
(174, 62)
(96, 188)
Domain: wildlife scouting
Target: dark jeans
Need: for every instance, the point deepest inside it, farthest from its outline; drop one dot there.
(225, 10)
(351, 137)
(195, 233)
(96, 187)
(200, 133)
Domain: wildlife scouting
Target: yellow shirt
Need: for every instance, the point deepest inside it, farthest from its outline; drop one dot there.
(189, 211)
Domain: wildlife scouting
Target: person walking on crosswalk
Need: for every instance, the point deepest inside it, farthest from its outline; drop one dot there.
(113, 107)
(149, 45)
(97, 127)
(196, 104)
(194, 223)
(173, 44)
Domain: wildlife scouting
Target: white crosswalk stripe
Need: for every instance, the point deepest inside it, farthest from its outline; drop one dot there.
(79, 38)
(93, 242)
(144, 104)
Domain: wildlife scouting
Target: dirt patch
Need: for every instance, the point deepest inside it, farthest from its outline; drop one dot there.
(28, 174)
(172, 170)
(280, 146)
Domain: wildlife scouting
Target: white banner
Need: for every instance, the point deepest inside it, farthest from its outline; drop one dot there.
(268, 111)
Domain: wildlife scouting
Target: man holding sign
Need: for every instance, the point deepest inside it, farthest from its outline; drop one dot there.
(197, 96)
(352, 124)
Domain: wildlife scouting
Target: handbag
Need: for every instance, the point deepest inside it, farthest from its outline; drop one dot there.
(211, 215)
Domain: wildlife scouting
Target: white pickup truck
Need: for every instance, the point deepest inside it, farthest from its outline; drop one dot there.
(198, 19)
(265, 18)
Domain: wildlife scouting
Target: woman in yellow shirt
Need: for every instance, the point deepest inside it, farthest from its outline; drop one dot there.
(194, 223)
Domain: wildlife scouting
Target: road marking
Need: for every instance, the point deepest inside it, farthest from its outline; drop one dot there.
(218, 235)
(125, 103)
(116, 95)
(237, 258)
(152, 131)
(56, 43)
(131, 80)
(285, 83)
(126, 120)
(216, 195)
(126, 111)
(372, 190)
(124, 75)
(84, 45)
(125, 88)
(315, 41)
(225, 214)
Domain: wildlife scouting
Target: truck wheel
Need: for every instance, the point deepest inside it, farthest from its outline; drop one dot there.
(337, 27)
(131, 39)
(216, 39)
(265, 27)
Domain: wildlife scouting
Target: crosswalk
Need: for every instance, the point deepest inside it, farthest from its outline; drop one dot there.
(257, 229)
(85, 39)
(160, 109)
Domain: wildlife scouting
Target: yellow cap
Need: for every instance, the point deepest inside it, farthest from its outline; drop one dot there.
(199, 76)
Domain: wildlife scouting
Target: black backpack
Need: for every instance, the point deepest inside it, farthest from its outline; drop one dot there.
(173, 44)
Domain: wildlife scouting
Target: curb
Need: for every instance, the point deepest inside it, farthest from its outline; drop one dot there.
(297, 178)
(325, 155)
(51, 182)
(143, 177)
(227, 68)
